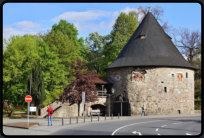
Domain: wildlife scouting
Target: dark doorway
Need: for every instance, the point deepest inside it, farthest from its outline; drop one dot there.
(99, 107)
(117, 107)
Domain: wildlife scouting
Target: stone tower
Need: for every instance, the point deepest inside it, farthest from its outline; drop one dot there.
(150, 71)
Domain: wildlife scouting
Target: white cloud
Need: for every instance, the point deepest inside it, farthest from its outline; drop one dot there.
(84, 20)
(22, 28)
(27, 24)
(83, 26)
(82, 16)
(127, 10)
(185, 56)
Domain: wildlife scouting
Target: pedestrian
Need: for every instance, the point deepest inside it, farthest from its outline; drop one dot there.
(143, 110)
(50, 115)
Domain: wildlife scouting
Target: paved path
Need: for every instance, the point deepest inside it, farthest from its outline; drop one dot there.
(43, 129)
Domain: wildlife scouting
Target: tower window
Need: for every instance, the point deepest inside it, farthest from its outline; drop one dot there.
(165, 89)
(186, 74)
(142, 36)
(172, 75)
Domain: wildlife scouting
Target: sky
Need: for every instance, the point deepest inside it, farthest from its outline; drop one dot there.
(32, 18)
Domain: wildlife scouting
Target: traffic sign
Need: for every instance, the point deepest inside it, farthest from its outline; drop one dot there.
(32, 109)
(28, 98)
(83, 97)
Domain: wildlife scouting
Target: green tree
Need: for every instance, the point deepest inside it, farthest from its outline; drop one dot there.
(95, 57)
(37, 86)
(63, 51)
(54, 76)
(123, 29)
(71, 31)
(18, 59)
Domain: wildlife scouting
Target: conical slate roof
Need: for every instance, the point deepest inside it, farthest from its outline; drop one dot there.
(156, 49)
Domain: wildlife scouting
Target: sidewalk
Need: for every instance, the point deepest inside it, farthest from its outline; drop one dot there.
(43, 129)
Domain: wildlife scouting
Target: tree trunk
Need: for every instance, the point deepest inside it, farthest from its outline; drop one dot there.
(37, 110)
(17, 101)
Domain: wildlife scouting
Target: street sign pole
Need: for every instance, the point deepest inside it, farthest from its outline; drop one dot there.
(28, 114)
(28, 99)
(29, 102)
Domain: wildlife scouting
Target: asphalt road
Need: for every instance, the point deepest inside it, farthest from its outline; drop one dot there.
(185, 125)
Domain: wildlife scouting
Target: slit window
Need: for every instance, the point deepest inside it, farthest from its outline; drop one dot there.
(165, 89)
(186, 74)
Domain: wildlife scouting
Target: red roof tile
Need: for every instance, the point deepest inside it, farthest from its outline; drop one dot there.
(103, 80)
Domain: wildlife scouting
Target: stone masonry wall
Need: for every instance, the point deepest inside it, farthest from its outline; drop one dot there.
(66, 111)
(150, 92)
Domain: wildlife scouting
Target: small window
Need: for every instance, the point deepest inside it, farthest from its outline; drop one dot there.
(162, 81)
(186, 74)
(142, 36)
(172, 75)
(165, 89)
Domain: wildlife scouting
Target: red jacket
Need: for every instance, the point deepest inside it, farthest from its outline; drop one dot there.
(49, 110)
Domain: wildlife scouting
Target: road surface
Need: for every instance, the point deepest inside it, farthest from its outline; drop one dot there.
(185, 125)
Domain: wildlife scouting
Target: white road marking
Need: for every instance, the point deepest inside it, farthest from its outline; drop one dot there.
(135, 132)
(188, 134)
(177, 123)
(134, 124)
(163, 126)
(157, 129)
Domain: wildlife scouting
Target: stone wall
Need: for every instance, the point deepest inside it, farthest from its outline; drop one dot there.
(150, 91)
(66, 111)
(55, 104)
(69, 111)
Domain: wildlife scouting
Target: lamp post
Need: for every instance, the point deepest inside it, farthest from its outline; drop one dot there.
(109, 98)
(105, 90)
(121, 103)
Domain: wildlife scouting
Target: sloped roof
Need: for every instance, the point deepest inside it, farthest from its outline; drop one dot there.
(102, 80)
(156, 49)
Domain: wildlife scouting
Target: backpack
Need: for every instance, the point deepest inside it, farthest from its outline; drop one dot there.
(51, 112)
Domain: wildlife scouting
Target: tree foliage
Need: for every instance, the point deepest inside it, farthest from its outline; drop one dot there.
(123, 29)
(80, 84)
(71, 31)
(95, 57)
(18, 59)
(37, 86)
(188, 42)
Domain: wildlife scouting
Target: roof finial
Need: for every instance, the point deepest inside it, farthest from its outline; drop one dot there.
(149, 8)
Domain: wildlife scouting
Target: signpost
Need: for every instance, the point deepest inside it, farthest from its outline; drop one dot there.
(28, 99)
(33, 109)
(83, 101)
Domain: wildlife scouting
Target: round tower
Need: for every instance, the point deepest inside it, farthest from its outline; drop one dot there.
(150, 71)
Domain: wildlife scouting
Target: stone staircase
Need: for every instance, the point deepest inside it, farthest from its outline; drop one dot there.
(55, 105)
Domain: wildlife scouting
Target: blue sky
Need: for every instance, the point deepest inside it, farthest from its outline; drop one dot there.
(31, 18)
